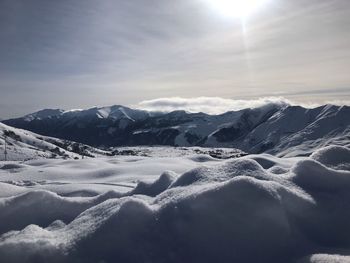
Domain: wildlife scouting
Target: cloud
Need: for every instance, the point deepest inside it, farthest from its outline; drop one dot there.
(217, 105)
(210, 105)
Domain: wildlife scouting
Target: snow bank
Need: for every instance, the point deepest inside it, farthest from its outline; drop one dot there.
(328, 223)
(314, 176)
(233, 211)
(204, 225)
(42, 208)
(326, 258)
(336, 157)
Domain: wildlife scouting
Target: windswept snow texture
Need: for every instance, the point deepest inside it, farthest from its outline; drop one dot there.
(257, 208)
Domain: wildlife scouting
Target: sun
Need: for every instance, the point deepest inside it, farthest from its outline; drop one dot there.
(237, 8)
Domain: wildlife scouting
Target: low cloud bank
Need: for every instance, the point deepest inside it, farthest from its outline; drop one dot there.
(210, 105)
(217, 105)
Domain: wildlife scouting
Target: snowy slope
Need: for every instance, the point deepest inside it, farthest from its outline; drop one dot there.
(25, 145)
(257, 208)
(298, 131)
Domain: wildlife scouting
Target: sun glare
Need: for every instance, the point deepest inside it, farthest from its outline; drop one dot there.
(237, 8)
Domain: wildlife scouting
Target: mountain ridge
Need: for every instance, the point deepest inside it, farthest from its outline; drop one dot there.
(272, 128)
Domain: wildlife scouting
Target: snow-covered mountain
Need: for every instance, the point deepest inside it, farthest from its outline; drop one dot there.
(24, 145)
(273, 128)
(290, 131)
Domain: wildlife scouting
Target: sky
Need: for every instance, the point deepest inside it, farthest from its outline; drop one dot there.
(83, 53)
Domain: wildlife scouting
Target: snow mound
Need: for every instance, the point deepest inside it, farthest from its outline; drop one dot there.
(264, 162)
(131, 230)
(277, 170)
(43, 207)
(155, 188)
(313, 175)
(336, 157)
(328, 222)
(223, 172)
(326, 258)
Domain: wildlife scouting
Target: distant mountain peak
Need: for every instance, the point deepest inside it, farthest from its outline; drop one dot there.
(42, 114)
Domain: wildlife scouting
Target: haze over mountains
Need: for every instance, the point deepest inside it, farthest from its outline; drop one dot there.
(273, 128)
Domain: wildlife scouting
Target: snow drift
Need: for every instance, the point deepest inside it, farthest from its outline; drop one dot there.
(234, 211)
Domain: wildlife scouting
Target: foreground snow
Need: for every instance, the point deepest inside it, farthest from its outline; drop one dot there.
(257, 208)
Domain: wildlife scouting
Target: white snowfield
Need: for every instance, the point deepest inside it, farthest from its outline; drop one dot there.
(191, 208)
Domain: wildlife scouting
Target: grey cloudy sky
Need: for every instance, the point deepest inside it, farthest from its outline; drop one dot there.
(77, 54)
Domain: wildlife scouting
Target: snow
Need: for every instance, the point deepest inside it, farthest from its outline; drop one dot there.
(114, 111)
(25, 145)
(326, 258)
(7, 190)
(173, 207)
(22, 145)
(291, 131)
(337, 157)
(42, 114)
